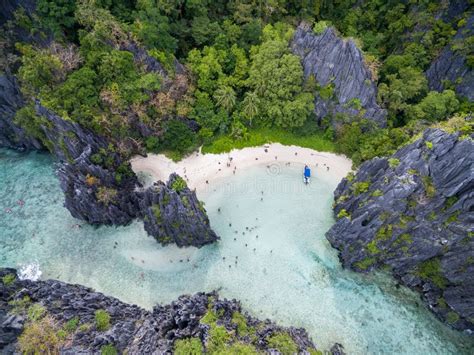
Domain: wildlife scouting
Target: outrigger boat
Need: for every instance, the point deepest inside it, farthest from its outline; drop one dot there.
(306, 174)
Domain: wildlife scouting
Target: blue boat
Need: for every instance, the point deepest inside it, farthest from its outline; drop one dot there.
(306, 174)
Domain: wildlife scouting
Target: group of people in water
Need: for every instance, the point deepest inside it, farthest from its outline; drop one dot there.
(20, 203)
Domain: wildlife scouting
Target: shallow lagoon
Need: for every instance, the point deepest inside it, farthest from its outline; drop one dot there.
(293, 276)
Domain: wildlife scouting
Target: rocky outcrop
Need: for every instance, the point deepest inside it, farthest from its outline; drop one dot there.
(414, 214)
(450, 68)
(213, 323)
(338, 65)
(101, 188)
(12, 136)
(173, 214)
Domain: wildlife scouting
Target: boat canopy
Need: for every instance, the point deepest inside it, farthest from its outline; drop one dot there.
(307, 172)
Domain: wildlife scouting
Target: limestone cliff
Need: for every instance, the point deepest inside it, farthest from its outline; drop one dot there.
(450, 68)
(339, 65)
(213, 324)
(413, 214)
(101, 188)
(12, 136)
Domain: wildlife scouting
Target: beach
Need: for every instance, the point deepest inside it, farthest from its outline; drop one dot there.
(201, 170)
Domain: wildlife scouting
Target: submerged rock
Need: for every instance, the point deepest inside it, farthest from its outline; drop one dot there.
(450, 68)
(338, 65)
(414, 214)
(212, 323)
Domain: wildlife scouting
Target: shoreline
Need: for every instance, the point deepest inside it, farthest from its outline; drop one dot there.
(199, 170)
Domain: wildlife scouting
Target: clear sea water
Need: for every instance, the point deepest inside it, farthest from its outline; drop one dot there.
(289, 274)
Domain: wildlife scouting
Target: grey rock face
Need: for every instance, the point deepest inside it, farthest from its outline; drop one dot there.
(451, 66)
(173, 214)
(131, 328)
(335, 61)
(94, 194)
(414, 213)
(12, 136)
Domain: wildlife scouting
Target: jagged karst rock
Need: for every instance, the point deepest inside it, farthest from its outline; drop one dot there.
(173, 214)
(99, 184)
(450, 66)
(414, 213)
(12, 136)
(131, 328)
(334, 61)
(94, 193)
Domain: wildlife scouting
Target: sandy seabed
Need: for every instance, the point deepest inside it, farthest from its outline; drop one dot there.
(201, 170)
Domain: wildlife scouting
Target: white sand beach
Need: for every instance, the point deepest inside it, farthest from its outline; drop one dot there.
(200, 170)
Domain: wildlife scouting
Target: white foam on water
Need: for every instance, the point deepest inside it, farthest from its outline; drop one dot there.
(29, 271)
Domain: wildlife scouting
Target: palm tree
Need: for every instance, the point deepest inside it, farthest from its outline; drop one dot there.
(225, 97)
(250, 105)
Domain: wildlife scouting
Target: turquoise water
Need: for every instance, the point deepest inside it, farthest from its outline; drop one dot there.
(292, 277)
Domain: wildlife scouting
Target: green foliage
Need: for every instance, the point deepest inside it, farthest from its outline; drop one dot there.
(377, 193)
(372, 247)
(238, 348)
(405, 87)
(108, 350)
(57, 15)
(283, 342)
(343, 213)
(260, 136)
(242, 327)
(452, 218)
(157, 212)
(20, 306)
(188, 346)
(365, 263)
(435, 106)
(276, 76)
(393, 163)
(452, 317)
(429, 187)
(430, 270)
(178, 137)
(360, 187)
(218, 338)
(8, 279)
(102, 320)
(77, 97)
(225, 97)
(36, 312)
(39, 71)
(40, 337)
(152, 28)
(71, 325)
(106, 195)
(320, 26)
(179, 184)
